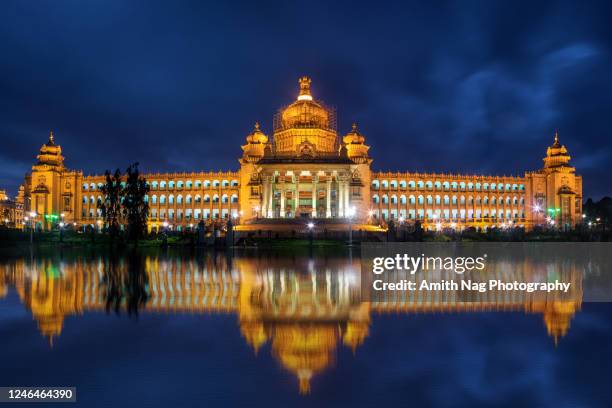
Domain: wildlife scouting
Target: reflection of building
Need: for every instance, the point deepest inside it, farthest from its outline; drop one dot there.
(302, 315)
(307, 170)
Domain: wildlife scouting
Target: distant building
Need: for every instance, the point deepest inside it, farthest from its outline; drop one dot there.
(11, 211)
(307, 171)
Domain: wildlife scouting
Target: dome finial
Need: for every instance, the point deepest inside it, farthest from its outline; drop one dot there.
(354, 127)
(304, 89)
(51, 138)
(257, 126)
(556, 143)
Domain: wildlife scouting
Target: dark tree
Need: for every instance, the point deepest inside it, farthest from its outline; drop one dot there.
(111, 203)
(135, 207)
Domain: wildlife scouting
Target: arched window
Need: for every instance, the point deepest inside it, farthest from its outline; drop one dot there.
(198, 199)
(429, 200)
(446, 186)
(225, 183)
(385, 184)
(402, 184)
(154, 185)
(206, 183)
(393, 184)
(493, 186)
(206, 198)
(188, 199)
(462, 200)
(485, 200)
(385, 199)
(446, 200)
(429, 185)
(179, 184)
(215, 198)
(162, 199)
(420, 184)
(171, 199)
(179, 199)
(492, 200)
(198, 184)
(454, 200)
(85, 186)
(485, 186)
(375, 184)
(224, 198)
(188, 184)
(153, 199)
(411, 199)
(92, 186)
(162, 185)
(508, 187)
(170, 185)
(454, 185)
(402, 199)
(500, 187)
(477, 186)
(234, 198)
(393, 199)
(234, 183)
(420, 198)
(462, 186)
(411, 184)
(375, 199)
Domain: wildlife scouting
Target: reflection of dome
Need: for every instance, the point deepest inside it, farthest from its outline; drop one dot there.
(305, 111)
(305, 350)
(557, 318)
(254, 334)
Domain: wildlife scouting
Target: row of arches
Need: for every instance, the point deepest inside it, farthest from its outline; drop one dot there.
(189, 184)
(179, 199)
(446, 200)
(447, 185)
(171, 185)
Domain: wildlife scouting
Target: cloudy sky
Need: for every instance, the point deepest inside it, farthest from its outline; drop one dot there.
(453, 87)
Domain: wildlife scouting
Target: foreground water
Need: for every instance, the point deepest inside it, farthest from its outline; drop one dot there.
(181, 329)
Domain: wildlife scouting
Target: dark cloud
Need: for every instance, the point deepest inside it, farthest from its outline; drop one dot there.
(458, 86)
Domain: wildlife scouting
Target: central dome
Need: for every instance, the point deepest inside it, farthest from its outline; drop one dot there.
(305, 122)
(305, 111)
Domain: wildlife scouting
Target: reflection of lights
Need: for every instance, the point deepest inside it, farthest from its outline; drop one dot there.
(597, 219)
(583, 215)
(61, 224)
(590, 223)
(310, 225)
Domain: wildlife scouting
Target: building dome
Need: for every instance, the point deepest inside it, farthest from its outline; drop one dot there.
(257, 136)
(50, 154)
(354, 137)
(305, 111)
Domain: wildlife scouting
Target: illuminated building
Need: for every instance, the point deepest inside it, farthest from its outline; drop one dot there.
(306, 170)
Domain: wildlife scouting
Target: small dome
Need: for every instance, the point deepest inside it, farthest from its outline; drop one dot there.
(354, 137)
(305, 111)
(257, 136)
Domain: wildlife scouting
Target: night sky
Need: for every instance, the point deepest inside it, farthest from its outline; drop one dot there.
(458, 87)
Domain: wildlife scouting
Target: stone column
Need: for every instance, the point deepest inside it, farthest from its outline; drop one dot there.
(347, 203)
(282, 203)
(271, 198)
(264, 197)
(296, 198)
(314, 197)
(328, 199)
(340, 197)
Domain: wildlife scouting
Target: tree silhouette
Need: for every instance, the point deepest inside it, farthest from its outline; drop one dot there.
(135, 207)
(111, 203)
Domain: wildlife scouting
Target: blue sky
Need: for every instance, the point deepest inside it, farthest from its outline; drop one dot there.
(469, 87)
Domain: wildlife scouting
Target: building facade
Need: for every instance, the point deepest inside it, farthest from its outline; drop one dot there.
(306, 170)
